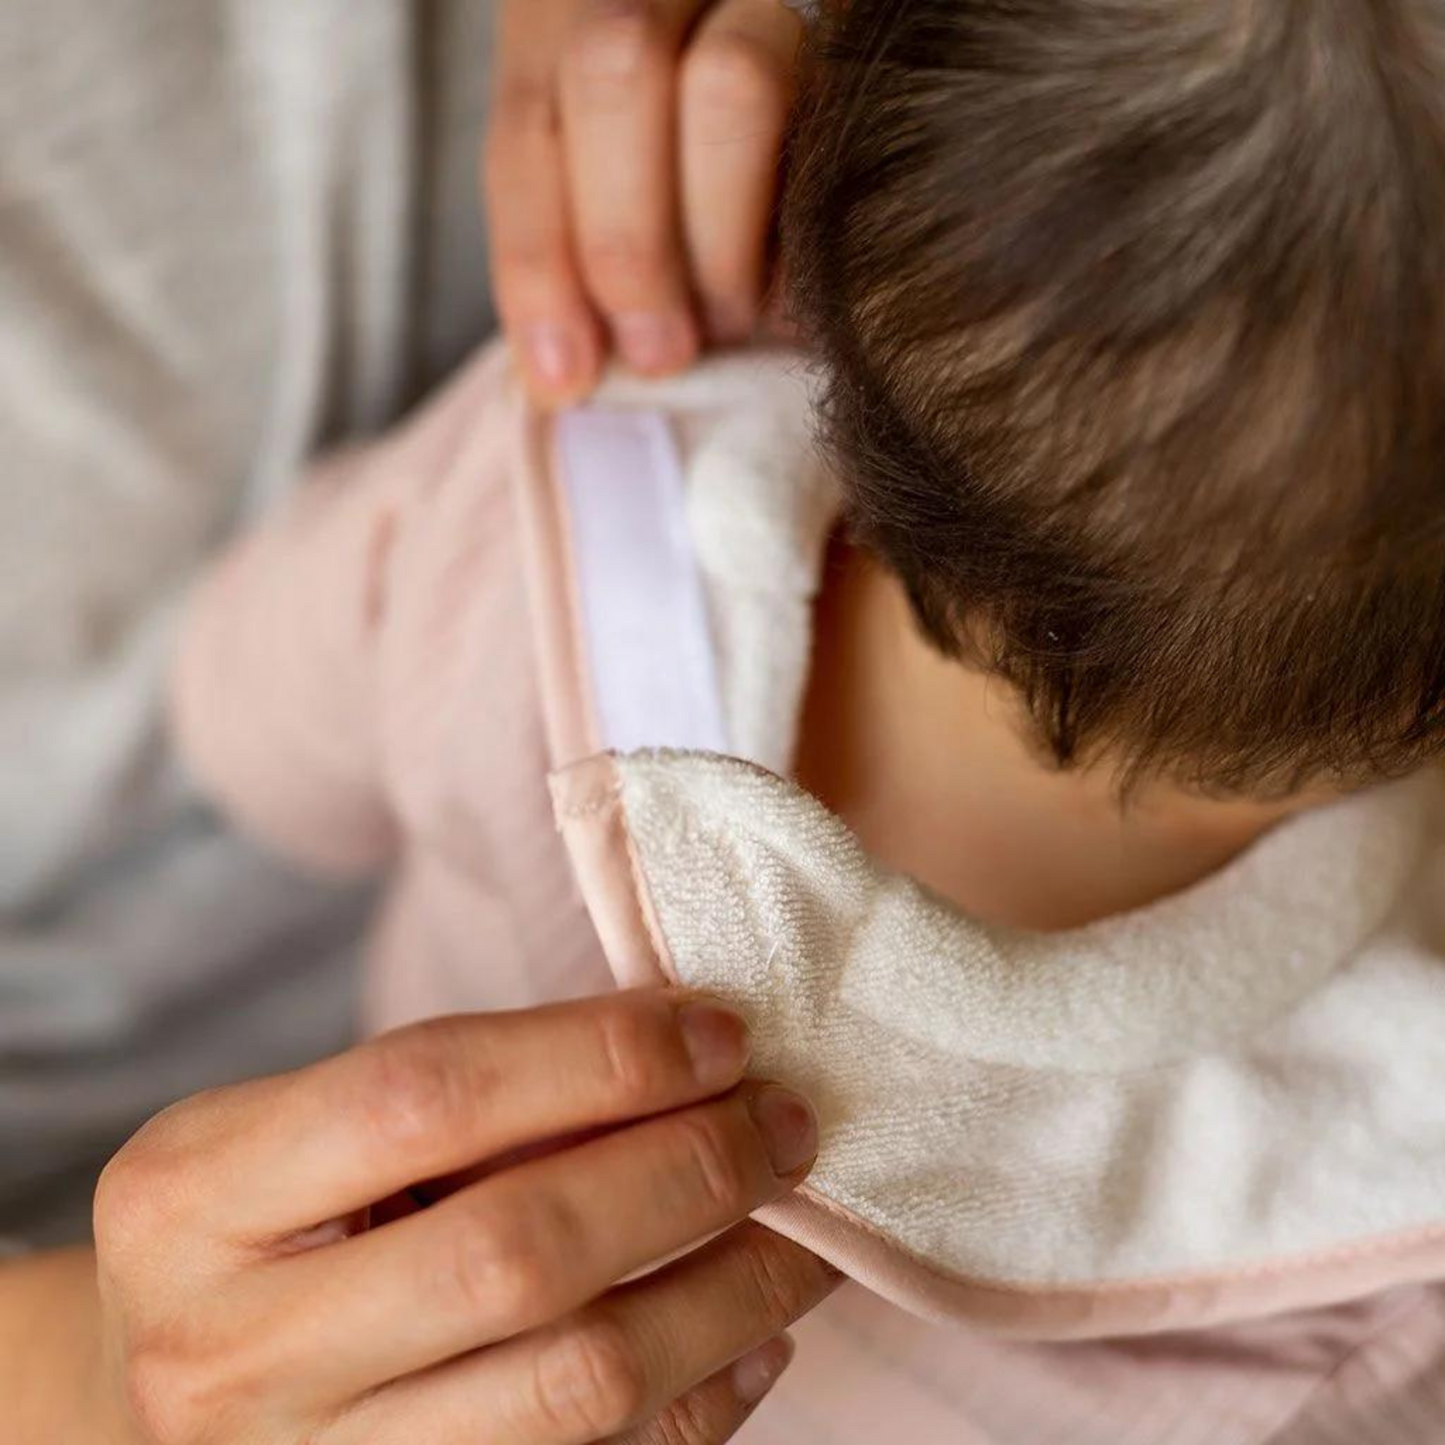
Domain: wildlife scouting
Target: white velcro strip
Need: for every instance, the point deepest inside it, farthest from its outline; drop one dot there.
(643, 612)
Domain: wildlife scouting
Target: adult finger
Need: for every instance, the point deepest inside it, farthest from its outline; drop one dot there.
(737, 84)
(531, 1244)
(538, 287)
(262, 1160)
(619, 90)
(617, 1362)
(717, 1408)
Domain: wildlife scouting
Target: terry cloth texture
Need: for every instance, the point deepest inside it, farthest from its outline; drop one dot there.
(1238, 1075)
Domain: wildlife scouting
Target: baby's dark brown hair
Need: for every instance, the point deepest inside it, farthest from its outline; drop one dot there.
(1132, 319)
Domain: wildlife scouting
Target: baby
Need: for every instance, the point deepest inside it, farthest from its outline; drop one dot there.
(1126, 544)
(1131, 317)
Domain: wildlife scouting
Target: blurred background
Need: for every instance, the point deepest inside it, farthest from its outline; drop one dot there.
(231, 233)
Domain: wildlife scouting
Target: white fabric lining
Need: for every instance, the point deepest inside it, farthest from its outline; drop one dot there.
(756, 506)
(1107, 1141)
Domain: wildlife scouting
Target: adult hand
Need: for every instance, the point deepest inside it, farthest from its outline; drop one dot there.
(258, 1282)
(631, 170)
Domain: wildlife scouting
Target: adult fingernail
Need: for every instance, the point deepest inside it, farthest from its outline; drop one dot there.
(554, 354)
(788, 1127)
(717, 1042)
(653, 341)
(757, 1372)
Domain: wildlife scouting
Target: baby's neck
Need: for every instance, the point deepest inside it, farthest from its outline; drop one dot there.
(924, 759)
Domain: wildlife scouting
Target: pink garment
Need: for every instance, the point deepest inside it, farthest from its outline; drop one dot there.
(359, 685)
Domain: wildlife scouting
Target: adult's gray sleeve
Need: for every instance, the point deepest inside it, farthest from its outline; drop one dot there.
(230, 234)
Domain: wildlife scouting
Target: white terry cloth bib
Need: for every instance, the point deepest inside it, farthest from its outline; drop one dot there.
(1227, 1103)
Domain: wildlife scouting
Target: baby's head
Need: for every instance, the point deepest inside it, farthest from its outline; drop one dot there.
(1133, 315)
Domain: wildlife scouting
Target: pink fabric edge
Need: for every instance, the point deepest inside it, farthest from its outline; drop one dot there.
(587, 799)
(592, 816)
(552, 594)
